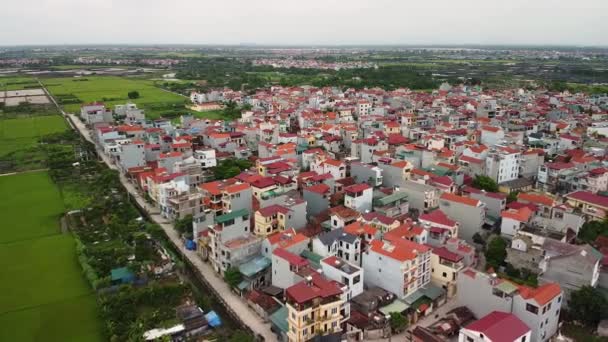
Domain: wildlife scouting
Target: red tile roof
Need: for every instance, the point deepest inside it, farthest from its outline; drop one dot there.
(500, 327)
(522, 215)
(398, 249)
(357, 188)
(319, 287)
(438, 217)
(459, 199)
(585, 196)
(536, 199)
(293, 259)
(318, 188)
(542, 294)
(273, 210)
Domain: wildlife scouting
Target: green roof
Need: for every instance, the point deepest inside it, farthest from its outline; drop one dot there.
(313, 257)
(279, 319)
(395, 306)
(432, 291)
(506, 287)
(394, 197)
(231, 216)
(254, 266)
(243, 285)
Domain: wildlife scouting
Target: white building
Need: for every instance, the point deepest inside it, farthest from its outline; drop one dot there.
(502, 164)
(358, 197)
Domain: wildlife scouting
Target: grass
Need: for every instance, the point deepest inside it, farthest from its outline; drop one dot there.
(113, 90)
(44, 295)
(23, 133)
(17, 83)
(581, 333)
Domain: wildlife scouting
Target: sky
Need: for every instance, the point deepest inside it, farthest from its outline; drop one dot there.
(305, 22)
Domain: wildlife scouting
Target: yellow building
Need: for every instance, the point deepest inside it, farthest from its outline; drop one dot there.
(313, 307)
(270, 219)
(445, 266)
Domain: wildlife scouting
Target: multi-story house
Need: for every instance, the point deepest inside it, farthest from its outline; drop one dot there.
(313, 308)
(491, 135)
(496, 326)
(96, 112)
(342, 216)
(495, 201)
(231, 242)
(468, 212)
(571, 266)
(395, 173)
(366, 173)
(349, 275)
(236, 197)
(440, 227)
(358, 197)
(421, 197)
(289, 240)
(399, 266)
(393, 205)
(502, 164)
(339, 243)
(292, 214)
(205, 158)
(317, 199)
(177, 200)
(539, 307)
(445, 266)
(593, 207)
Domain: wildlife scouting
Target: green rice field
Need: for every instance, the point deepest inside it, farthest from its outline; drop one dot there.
(72, 92)
(22, 133)
(44, 294)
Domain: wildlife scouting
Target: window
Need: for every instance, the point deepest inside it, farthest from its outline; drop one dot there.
(532, 308)
(469, 339)
(334, 311)
(523, 339)
(357, 279)
(305, 331)
(445, 275)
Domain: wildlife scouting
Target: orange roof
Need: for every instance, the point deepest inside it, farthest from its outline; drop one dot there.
(542, 294)
(535, 198)
(334, 162)
(401, 164)
(459, 199)
(522, 214)
(490, 129)
(287, 238)
(236, 188)
(212, 187)
(219, 135)
(404, 231)
(400, 249)
(358, 228)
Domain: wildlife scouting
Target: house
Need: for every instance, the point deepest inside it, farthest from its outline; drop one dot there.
(420, 196)
(341, 216)
(292, 214)
(338, 243)
(445, 266)
(494, 327)
(492, 135)
(379, 221)
(317, 199)
(205, 158)
(393, 205)
(502, 164)
(349, 275)
(469, 212)
(313, 308)
(593, 207)
(539, 307)
(289, 240)
(513, 220)
(358, 197)
(571, 266)
(399, 266)
(96, 112)
(366, 173)
(495, 202)
(394, 173)
(288, 268)
(231, 242)
(440, 227)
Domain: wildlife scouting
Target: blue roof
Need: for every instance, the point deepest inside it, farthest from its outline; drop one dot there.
(255, 266)
(121, 273)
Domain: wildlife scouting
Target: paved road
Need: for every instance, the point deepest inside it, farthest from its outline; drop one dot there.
(236, 303)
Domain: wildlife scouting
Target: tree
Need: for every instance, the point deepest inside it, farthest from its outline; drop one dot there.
(233, 276)
(398, 322)
(133, 94)
(184, 225)
(588, 305)
(512, 197)
(230, 167)
(592, 229)
(496, 252)
(485, 183)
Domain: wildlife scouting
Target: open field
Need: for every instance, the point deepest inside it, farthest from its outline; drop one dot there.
(23, 133)
(17, 83)
(112, 91)
(45, 297)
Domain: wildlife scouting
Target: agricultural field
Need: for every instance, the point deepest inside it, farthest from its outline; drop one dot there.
(46, 297)
(112, 90)
(18, 83)
(19, 140)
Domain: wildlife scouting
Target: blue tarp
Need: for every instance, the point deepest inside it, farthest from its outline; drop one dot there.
(213, 319)
(190, 245)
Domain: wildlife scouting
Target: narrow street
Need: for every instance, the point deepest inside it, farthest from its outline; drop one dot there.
(236, 303)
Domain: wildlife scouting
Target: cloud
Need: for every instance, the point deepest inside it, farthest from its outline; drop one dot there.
(304, 22)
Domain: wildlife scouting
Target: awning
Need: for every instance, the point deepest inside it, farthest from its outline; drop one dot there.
(395, 306)
(243, 285)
